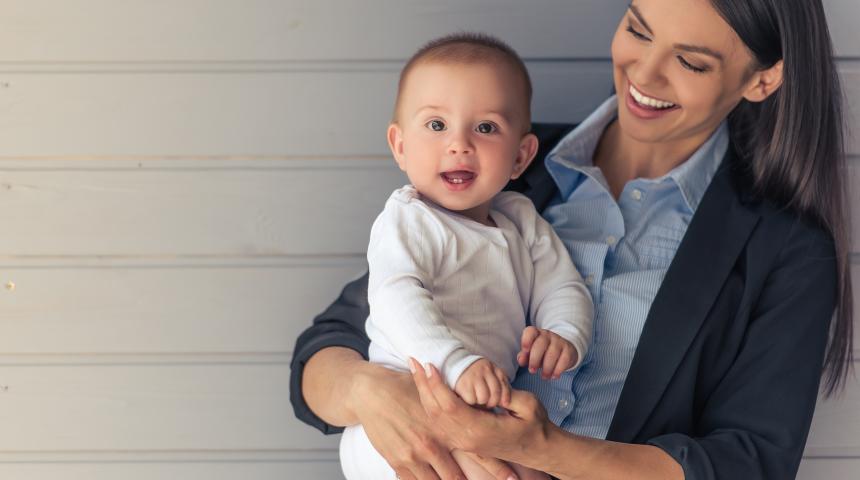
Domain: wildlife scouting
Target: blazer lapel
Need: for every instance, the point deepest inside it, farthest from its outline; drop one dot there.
(716, 235)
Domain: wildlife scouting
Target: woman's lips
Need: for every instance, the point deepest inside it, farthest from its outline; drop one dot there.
(645, 112)
(457, 180)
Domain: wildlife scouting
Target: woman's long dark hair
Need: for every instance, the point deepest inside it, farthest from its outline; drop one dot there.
(794, 142)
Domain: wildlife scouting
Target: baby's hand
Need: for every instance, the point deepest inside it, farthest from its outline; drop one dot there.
(484, 384)
(547, 351)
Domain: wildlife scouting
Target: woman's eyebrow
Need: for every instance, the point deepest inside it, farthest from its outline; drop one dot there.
(679, 46)
(698, 49)
(638, 16)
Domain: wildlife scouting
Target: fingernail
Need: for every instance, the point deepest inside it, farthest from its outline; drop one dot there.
(412, 365)
(427, 370)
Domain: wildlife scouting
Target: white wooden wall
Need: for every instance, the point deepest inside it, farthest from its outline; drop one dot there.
(184, 184)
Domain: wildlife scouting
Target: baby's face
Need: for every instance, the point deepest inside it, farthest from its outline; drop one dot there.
(460, 133)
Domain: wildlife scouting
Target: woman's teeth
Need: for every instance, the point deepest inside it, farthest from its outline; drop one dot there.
(648, 101)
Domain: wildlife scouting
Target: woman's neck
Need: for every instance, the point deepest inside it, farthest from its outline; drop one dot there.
(622, 158)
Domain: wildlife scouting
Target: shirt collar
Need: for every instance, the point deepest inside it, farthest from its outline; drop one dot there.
(573, 156)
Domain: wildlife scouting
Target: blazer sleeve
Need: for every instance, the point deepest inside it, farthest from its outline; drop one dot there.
(340, 325)
(755, 424)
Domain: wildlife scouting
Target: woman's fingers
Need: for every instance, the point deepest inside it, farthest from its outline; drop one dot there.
(506, 389)
(419, 376)
(434, 394)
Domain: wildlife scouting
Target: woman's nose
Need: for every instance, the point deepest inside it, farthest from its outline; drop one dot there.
(649, 70)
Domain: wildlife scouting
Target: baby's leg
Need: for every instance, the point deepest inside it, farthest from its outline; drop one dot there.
(525, 473)
(474, 471)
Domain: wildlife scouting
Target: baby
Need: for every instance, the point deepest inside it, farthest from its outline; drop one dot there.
(457, 269)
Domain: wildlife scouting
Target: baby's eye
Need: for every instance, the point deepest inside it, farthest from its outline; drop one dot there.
(486, 127)
(436, 125)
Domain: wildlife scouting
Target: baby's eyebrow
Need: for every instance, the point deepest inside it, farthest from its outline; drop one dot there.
(430, 107)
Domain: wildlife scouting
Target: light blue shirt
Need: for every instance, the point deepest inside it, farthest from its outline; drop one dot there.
(622, 249)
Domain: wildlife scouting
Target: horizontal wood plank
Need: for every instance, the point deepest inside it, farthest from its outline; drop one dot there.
(297, 112)
(201, 211)
(151, 408)
(214, 207)
(308, 112)
(144, 308)
(136, 470)
(201, 30)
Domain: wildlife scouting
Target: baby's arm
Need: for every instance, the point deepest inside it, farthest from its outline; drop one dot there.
(561, 309)
(406, 245)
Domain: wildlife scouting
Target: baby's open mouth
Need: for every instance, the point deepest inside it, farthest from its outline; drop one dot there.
(458, 176)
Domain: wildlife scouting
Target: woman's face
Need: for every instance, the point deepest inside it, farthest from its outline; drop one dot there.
(679, 69)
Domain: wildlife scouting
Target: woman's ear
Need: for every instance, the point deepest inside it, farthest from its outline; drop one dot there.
(764, 82)
(395, 143)
(525, 155)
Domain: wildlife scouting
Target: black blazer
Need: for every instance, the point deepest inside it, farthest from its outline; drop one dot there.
(726, 373)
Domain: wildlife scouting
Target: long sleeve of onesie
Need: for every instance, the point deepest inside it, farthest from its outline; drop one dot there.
(560, 301)
(406, 247)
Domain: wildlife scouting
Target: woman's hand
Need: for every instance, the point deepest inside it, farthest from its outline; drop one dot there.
(507, 436)
(387, 406)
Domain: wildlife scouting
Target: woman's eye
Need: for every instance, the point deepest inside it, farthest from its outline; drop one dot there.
(486, 127)
(636, 34)
(436, 125)
(691, 67)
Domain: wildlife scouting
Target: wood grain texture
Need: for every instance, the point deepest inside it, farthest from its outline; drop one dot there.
(162, 408)
(335, 111)
(308, 111)
(212, 209)
(208, 207)
(319, 30)
(202, 30)
(180, 308)
(136, 470)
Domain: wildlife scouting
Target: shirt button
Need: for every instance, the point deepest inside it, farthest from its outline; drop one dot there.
(611, 240)
(636, 194)
(563, 404)
(589, 280)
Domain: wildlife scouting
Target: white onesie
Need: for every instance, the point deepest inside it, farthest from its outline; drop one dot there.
(448, 290)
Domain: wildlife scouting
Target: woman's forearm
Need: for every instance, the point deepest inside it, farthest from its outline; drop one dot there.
(571, 457)
(328, 383)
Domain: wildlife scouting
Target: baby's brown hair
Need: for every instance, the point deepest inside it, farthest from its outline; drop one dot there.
(469, 48)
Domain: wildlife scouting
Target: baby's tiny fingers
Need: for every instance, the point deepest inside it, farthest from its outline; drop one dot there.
(550, 360)
(482, 392)
(529, 335)
(565, 361)
(536, 355)
(495, 392)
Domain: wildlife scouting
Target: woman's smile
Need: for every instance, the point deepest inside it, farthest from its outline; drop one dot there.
(645, 107)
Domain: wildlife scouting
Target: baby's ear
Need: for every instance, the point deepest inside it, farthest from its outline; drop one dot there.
(395, 143)
(525, 155)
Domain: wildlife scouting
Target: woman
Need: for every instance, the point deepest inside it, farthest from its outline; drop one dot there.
(715, 244)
